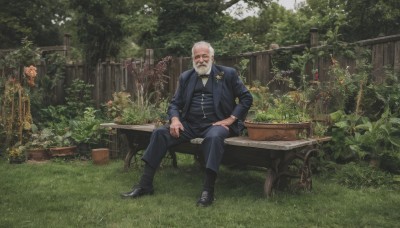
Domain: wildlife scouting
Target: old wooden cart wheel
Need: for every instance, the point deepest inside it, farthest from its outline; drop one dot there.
(295, 171)
(269, 182)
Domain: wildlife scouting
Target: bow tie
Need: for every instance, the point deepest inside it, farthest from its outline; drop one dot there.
(204, 76)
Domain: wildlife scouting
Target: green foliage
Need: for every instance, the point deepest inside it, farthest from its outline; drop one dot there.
(374, 139)
(27, 54)
(380, 95)
(138, 114)
(43, 95)
(242, 67)
(357, 176)
(78, 97)
(182, 22)
(235, 43)
(120, 102)
(259, 26)
(371, 18)
(87, 129)
(378, 138)
(292, 29)
(283, 109)
(54, 117)
(40, 139)
(123, 110)
(39, 20)
(100, 28)
(62, 140)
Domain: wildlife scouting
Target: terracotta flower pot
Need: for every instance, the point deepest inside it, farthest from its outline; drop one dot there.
(277, 131)
(100, 156)
(38, 154)
(62, 151)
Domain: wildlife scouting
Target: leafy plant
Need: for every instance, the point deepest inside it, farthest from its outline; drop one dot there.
(62, 140)
(40, 139)
(377, 138)
(283, 109)
(78, 97)
(365, 137)
(87, 128)
(123, 110)
(120, 102)
(54, 117)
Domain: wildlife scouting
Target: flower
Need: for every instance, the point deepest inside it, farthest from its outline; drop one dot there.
(219, 76)
(30, 74)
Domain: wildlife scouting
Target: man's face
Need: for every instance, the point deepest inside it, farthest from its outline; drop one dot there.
(202, 61)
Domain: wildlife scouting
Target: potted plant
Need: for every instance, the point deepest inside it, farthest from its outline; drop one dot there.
(16, 154)
(285, 118)
(86, 131)
(39, 143)
(62, 145)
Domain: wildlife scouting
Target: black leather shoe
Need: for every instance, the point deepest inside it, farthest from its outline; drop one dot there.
(137, 192)
(206, 199)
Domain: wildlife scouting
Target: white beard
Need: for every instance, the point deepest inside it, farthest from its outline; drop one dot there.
(203, 68)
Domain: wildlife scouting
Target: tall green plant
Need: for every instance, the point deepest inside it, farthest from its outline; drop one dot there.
(366, 138)
(87, 129)
(377, 138)
(78, 97)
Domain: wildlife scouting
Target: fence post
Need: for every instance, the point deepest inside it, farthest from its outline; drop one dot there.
(67, 44)
(314, 37)
(149, 57)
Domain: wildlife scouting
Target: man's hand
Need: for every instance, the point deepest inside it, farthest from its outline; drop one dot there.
(175, 127)
(226, 122)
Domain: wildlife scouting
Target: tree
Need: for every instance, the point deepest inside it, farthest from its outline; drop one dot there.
(100, 28)
(260, 25)
(179, 23)
(371, 18)
(38, 20)
(357, 19)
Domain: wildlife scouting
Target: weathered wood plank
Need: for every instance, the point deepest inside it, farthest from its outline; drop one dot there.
(234, 141)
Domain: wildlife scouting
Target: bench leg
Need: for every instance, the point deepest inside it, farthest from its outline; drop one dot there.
(173, 157)
(128, 158)
(269, 182)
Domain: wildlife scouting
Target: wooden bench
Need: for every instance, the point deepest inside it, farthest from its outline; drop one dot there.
(284, 160)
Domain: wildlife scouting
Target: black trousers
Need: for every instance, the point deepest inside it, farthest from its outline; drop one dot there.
(212, 147)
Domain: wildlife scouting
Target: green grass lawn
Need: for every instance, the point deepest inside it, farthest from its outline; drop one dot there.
(81, 194)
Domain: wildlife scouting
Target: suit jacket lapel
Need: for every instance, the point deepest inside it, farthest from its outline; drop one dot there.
(190, 90)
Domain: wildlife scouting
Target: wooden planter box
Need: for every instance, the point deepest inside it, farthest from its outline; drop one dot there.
(277, 131)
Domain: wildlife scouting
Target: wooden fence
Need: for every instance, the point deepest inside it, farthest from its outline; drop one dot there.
(110, 77)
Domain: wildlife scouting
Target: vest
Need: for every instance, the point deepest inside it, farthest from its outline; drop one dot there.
(201, 108)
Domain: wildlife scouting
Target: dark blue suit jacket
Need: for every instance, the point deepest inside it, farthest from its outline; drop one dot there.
(227, 86)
